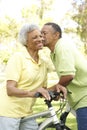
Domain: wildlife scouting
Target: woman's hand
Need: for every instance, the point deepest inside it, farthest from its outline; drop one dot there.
(44, 92)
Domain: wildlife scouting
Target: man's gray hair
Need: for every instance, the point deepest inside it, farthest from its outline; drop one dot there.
(22, 36)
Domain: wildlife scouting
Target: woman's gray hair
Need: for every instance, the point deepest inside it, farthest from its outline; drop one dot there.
(22, 36)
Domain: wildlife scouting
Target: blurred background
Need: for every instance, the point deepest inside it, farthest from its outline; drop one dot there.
(71, 15)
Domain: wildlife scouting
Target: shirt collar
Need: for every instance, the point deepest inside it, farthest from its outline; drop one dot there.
(56, 46)
(28, 56)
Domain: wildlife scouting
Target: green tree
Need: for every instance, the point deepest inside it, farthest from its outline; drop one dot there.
(12, 26)
(8, 28)
(37, 11)
(44, 7)
(80, 16)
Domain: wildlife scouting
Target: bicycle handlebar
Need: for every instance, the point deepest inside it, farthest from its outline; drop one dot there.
(53, 94)
(59, 124)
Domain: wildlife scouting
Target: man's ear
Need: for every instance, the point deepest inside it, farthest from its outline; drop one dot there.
(57, 35)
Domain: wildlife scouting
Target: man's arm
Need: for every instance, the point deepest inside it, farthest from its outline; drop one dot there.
(65, 80)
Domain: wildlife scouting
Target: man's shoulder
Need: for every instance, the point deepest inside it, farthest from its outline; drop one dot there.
(65, 42)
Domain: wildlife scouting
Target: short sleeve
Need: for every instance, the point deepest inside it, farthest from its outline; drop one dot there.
(66, 62)
(14, 67)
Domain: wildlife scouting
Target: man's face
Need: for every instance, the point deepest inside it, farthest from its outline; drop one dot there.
(48, 34)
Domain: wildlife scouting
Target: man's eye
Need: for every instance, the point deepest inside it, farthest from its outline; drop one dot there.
(44, 33)
(41, 36)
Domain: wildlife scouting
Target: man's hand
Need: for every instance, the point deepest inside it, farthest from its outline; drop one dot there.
(60, 88)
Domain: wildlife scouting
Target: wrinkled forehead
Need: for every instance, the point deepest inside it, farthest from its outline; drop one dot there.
(33, 33)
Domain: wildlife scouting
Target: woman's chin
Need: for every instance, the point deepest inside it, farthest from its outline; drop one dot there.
(41, 48)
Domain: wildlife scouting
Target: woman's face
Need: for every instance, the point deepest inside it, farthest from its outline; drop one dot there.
(35, 39)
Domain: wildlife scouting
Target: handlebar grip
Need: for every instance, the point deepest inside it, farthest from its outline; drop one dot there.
(38, 95)
(51, 93)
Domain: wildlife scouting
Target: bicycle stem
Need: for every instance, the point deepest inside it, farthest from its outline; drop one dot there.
(55, 120)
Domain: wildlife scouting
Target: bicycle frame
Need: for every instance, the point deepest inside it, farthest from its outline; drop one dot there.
(41, 115)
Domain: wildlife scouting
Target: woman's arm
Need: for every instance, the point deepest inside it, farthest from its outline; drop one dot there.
(12, 90)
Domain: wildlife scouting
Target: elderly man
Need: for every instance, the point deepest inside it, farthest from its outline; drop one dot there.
(71, 67)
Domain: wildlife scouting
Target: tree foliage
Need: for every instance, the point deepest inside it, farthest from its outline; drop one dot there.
(79, 15)
(8, 28)
(81, 18)
(37, 11)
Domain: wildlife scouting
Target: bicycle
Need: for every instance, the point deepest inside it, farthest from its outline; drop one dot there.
(51, 118)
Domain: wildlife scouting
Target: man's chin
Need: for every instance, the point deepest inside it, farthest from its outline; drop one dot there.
(44, 44)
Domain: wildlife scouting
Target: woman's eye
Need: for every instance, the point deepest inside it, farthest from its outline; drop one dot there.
(34, 37)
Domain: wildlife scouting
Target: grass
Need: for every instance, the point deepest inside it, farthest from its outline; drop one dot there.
(41, 106)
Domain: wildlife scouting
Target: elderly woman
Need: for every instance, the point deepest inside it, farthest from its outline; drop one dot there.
(26, 74)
